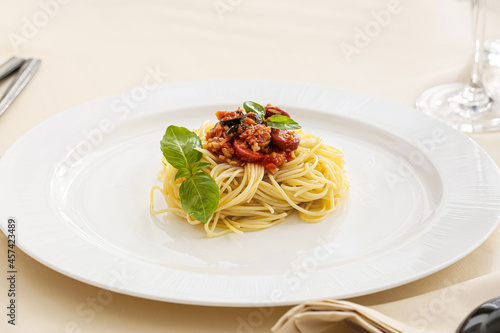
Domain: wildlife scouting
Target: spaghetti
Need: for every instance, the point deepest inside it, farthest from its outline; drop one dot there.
(312, 182)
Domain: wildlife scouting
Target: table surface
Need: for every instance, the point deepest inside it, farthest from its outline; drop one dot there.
(94, 48)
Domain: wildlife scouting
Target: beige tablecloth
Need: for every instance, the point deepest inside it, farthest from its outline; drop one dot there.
(94, 48)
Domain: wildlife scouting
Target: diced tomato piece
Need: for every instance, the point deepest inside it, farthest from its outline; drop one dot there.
(271, 166)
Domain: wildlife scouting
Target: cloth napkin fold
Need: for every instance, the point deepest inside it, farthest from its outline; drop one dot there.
(438, 311)
(336, 316)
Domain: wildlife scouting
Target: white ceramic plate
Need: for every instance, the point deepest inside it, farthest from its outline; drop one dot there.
(422, 196)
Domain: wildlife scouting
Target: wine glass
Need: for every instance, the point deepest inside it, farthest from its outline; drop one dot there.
(465, 106)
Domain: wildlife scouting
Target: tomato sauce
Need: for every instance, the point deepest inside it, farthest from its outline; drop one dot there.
(240, 138)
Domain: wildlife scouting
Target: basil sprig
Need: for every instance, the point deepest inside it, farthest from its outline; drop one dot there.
(275, 121)
(198, 192)
(250, 106)
(282, 122)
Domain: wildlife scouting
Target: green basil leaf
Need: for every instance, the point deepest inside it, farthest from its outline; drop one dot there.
(199, 196)
(181, 173)
(178, 146)
(282, 122)
(198, 166)
(250, 106)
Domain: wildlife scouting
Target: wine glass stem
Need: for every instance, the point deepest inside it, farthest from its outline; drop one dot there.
(473, 99)
(479, 23)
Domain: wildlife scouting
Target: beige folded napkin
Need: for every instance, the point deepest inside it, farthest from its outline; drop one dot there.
(437, 311)
(336, 316)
